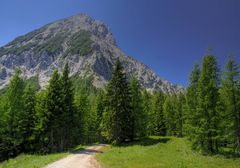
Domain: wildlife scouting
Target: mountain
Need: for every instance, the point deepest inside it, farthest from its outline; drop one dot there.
(86, 44)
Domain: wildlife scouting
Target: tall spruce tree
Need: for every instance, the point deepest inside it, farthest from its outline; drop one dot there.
(81, 116)
(27, 119)
(180, 113)
(191, 121)
(206, 133)
(139, 128)
(92, 117)
(169, 108)
(231, 98)
(42, 123)
(54, 112)
(119, 116)
(13, 107)
(147, 110)
(67, 108)
(159, 116)
(99, 107)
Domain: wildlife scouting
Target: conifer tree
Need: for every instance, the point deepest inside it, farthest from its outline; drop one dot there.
(231, 98)
(139, 124)
(206, 133)
(147, 110)
(81, 116)
(42, 123)
(54, 113)
(91, 118)
(27, 119)
(191, 102)
(99, 107)
(169, 108)
(68, 108)
(180, 113)
(159, 116)
(118, 114)
(12, 106)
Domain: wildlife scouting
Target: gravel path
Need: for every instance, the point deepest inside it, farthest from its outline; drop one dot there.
(81, 159)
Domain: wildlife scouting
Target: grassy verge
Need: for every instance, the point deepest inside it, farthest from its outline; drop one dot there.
(32, 161)
(158, 152)
(36, 161)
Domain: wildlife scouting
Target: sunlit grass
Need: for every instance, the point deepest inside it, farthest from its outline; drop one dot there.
(32, 161)
(161, 153)
(36, 161)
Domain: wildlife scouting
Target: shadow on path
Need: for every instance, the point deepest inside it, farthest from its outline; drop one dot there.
(88, 151)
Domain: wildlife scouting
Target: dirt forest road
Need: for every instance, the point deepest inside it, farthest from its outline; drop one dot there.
(81, 159)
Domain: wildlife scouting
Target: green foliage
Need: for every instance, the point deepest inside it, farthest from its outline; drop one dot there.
(159, 117)
(118, 117)
(169, 108)
(161, 152)
(180, 114)
(16, 47)
(28, 118)
(83, 108)
(17, 50)
(33, 82)
(51, 114)
(206, 133)
(11, 110)
(147, 110)
(191, 119)
(80, 43)
(230, 98)
(87, 128)
(26, 37)
(51, 46)
(71, 111)
(54, 112)
(68, 109)
(80, 83)
(32, 160)
(55, 105)
(139, 117)
(99, 110)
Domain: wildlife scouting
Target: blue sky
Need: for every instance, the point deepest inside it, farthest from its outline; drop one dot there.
(167, 35)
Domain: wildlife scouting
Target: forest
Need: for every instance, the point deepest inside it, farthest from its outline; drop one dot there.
(71, 111)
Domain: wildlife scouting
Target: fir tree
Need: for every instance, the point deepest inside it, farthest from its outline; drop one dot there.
(159, 116)
(207, 130)
(139, 125)
(118, 117)
(191, 102)
(13, 107)
(99, 107)
(148, 111)
(42, 123)
(231, 98)
(54, 112)
(67, 108)
(180, 114)
(169, 108)
(27, 119)
(81, 116)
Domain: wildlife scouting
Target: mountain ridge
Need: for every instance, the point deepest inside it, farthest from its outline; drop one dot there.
(86, 44)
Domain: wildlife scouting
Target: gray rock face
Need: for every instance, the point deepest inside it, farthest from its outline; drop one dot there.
(86, 44)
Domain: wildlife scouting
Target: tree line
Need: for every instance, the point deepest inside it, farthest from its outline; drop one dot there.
(70, 111)
(213, 106)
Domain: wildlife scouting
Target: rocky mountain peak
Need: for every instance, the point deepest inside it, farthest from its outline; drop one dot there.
(86, 44)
